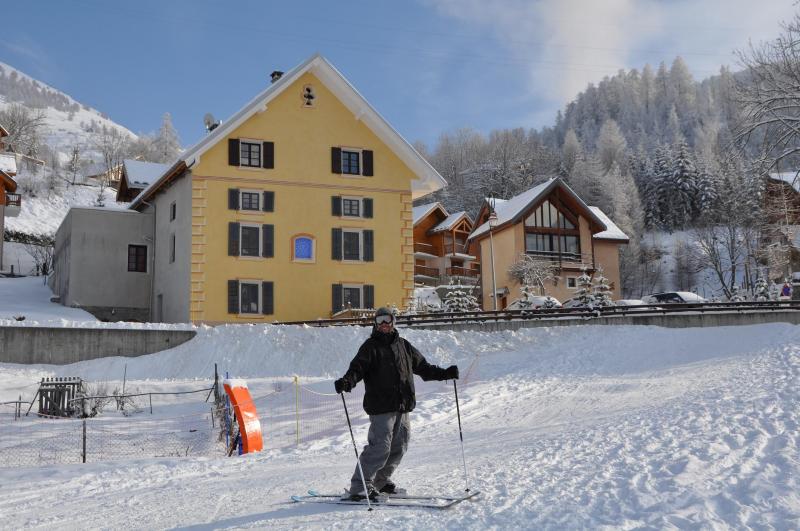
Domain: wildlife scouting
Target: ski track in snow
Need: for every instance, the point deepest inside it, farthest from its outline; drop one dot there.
(565, 428)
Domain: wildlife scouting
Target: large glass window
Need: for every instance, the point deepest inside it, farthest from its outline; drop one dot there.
(251, 238)
(548, 216)
(250, 154)
(351, 245)
(351, 162)
(249, 292)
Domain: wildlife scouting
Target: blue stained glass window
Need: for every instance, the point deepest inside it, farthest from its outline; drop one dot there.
(303, 249)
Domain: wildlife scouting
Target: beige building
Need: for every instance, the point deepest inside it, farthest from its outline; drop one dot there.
(548, 221)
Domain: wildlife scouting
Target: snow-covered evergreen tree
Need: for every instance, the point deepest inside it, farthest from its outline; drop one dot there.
(459, 299)
(166, 145)
(735, 295)
(761, 289)
(601, 289)
(585, 293)
(683, 188)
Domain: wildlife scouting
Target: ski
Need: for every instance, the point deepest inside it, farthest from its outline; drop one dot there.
(405, 496)
(404, 500)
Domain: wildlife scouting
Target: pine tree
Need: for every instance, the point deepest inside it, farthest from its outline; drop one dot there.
(761, 289)
(166, 145)
(459, 299)
(684, 187)
(735, 295)
(601, 289)
(584, 292)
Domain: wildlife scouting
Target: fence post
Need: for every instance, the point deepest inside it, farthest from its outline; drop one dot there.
(297, 407)
(83, 454)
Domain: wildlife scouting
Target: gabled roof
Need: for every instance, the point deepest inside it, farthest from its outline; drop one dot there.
(612, 232)
(140, 174)
(423, 211)
(8, 163)
(451, 221)
(511, 210)
(428, 179)
(8, 182)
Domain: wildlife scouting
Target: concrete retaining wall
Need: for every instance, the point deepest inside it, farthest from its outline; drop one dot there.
(674, 320)
(60, 346)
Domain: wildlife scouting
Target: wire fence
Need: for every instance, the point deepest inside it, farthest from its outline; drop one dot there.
(291, 414)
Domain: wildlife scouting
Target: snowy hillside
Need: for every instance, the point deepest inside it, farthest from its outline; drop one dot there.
(614, 427)
(68, 122)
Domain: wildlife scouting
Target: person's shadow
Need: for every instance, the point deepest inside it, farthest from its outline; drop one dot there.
(286, 510)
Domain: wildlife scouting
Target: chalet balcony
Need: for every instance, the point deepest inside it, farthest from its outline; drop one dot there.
(459, 250)
(425, 271)
(13, 205)
(463, 272)
(424, 250)
(573, 261)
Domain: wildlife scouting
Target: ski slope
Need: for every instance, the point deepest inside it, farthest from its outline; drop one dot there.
(614, 427)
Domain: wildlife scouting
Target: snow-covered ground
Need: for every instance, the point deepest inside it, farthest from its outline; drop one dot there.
(570, 427)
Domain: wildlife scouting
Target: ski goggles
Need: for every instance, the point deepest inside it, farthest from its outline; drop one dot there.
(380, 319)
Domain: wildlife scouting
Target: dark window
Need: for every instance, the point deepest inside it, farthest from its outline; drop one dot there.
(350, 162)
(137, 258)
(571, 282)
(249, 297)
(351, 207)
(173, 211)
(351, 297)
(172, 248)
(250, 154)
(250, 201)
(351, 245)
(250, 241)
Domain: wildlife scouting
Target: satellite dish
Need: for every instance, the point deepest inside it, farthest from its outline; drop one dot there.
(210, 122)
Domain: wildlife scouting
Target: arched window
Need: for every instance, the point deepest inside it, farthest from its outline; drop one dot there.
(303, 248)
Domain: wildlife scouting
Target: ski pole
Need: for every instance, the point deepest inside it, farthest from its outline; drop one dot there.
(361, 470)
(461, 436)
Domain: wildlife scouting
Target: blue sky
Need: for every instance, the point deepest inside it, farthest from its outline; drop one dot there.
(428, 66)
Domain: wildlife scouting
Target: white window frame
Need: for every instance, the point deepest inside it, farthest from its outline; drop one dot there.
(360, 153)
(259, 228)
(260, 153)
(360, 207)
(359, 287)
(260, 308)
(360, 245)
(259, 194)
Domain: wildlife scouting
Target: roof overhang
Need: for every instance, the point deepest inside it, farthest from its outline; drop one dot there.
(8, 182)
(427, 181)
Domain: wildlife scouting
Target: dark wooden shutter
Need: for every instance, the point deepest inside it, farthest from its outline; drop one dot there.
(269, 201)
(233, 198)
(267, 298)
(336, 160)
(233, 239)
(366, 161)
(369, 251)
(336, 205)
(233, 296)
(367, 207)
(369, 296)
(269, 155)
(338, 297)
(268, 233)
(233, 153)
(336, 246)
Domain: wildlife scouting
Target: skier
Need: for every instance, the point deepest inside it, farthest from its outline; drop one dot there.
(387, 364)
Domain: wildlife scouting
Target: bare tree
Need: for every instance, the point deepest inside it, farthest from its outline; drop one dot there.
(75, 164)
(770, 97)
(533, 271)
(112, 146)
(24, 127)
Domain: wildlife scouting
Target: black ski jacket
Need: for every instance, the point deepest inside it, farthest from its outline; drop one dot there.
(387, 363)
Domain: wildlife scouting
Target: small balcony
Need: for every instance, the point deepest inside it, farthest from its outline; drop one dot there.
(13, 205)
(463, 272)
(425, 271)
(574, 261)
(424, 250)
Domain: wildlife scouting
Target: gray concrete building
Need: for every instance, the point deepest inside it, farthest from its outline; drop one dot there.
(103, 263)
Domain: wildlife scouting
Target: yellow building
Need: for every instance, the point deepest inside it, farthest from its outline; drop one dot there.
(549, 222)
(297, 206)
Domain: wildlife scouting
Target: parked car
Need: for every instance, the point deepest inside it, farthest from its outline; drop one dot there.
(629, 302)
(679, 297)
(535, 302)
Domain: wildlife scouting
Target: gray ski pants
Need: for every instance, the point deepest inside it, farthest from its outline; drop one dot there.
(387, 441)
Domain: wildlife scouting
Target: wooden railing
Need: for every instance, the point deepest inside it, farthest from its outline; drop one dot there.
(573, 260)
(13, 200)
(427, 271)
(420, 247)
(462, 272)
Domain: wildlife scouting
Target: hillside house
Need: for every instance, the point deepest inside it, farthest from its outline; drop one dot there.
(551, 222)
(441, 250)
(10, 202)
(135, 176)
(296, 207)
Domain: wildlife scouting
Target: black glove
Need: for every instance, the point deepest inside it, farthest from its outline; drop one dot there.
(451, 373)
(342, 385)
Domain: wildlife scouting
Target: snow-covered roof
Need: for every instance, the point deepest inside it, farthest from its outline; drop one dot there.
(451, 221)
(420, 212)
(142, 174)
(3, 131)
(508, 210)
(612, 232)
(428, 179)
(8, 163)
(789, 177)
